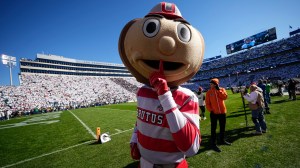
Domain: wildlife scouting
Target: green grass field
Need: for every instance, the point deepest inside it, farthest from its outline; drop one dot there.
(58, 139)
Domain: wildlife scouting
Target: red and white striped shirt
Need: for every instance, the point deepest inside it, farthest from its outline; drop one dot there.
(167, 127)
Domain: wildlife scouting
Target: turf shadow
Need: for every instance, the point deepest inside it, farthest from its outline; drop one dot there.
(235, 134)
(239, 111)
(133, 164)
(238, 115)
(205, 144)
(231, 136)
(279, 101)
(95, 143)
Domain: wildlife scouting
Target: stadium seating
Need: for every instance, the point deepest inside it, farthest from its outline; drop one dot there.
(280, 60)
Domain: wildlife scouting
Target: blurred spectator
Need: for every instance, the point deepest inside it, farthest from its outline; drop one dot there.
(292, 89)
(261, 84)
(268, 91)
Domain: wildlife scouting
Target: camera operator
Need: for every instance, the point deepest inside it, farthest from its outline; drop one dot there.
(255, 99)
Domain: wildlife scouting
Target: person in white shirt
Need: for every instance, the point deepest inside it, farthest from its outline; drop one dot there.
(2, 116)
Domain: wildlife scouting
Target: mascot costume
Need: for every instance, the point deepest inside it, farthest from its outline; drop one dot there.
(162, 51)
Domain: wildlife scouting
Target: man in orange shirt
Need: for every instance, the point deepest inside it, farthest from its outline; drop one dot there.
(215, 104)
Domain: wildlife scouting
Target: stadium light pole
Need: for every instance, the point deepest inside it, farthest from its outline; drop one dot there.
(10, 62)
(237, 77)
(229, 80)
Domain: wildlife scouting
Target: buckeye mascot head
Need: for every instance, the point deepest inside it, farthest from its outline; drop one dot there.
(162, 35)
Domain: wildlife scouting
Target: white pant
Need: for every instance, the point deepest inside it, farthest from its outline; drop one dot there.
(145, 164)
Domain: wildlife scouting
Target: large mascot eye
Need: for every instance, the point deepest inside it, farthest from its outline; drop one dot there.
(183, 32)
(151, 27)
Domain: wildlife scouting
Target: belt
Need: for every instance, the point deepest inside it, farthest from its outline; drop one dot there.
(145, 163)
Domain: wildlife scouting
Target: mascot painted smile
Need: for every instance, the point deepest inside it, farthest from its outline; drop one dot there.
(162, 50)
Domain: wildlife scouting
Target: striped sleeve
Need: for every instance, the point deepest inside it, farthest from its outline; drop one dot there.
(183, 119)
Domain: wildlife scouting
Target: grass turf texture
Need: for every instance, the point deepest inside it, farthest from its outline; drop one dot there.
(68, 144)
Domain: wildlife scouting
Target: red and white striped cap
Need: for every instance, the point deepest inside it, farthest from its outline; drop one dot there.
(168, 10)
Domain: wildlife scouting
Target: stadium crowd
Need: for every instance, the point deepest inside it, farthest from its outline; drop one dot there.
(255, 53)
(44, 93)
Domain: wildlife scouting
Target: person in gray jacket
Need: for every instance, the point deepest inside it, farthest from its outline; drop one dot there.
(201, 99)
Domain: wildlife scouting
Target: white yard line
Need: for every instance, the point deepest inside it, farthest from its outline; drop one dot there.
(85, 126)
(121, 132)
(47, 154)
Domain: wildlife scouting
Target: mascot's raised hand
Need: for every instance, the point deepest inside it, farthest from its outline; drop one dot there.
(158, 80)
